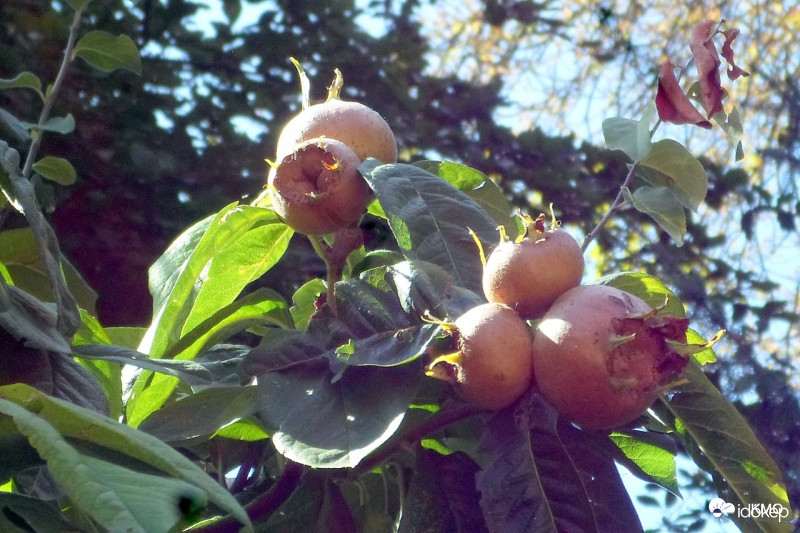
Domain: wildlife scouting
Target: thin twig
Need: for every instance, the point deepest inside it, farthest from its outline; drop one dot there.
(50, 99)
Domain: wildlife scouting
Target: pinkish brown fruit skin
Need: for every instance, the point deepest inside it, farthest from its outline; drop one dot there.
(496, 363)
(588, 378)
(530, 275)
(356, 125)
(317, 188)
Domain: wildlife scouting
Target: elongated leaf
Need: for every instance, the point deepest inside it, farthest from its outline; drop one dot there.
(23, 80)
(669, 164)
(328, 424)
(35, 513)
(61, 125)
(32, 322)
(442, 495)
(108, 53)
(721, 441)
(188, 371)
(663, 206)
(431, 220)
(547, 475)
(477, 186)
(108, 374)
(19, 252)
(11, 124)
(56, 169)
(630, 136)
(423, 287)
(118, 499)
(391, 348)
(201, 414)
(650, 456)
(236, 265)
(259, 307)
(67, 420)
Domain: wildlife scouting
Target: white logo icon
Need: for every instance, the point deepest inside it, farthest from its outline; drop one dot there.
(718, 506)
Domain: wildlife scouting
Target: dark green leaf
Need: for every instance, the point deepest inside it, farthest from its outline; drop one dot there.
(317, 505)
(32, 322)
(37, 514)
(477, 186)
(431, 220)
(391, 348)
(442, 496)
(108, 53)
(51, 420)
(720, 440)
(201, 414)
(19, 252)
(56, 169)
(425, 287)
(189, 372)
(546, 475)
(328, 424)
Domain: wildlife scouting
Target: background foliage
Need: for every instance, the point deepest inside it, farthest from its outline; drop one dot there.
(154, 154)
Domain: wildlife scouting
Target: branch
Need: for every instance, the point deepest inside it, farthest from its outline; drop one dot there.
(265, 504)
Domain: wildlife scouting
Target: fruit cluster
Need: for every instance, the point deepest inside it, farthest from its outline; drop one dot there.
(599, 355)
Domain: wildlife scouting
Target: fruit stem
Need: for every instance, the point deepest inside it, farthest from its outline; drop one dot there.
(336, 85)
(334, 271)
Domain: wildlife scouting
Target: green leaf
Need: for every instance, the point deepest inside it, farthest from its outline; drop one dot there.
(33, 322)
(630, 136)
(650, 456)
(236, 264)
(257, 308)
(544, 474)
(304, 300)
(37, 514)
(19, 252)
(118, 499)
(61, 125)
(391, 348)
(56, 169)
(24, 80)
(107, 373)
(720, 441)
(669, 164)
(201, 414)
(176, 278)
(424, 287)
(107, 53)
(50, 420)
(431, 220)
(327, 424)
(707, 355)
(442, 495)
(15, 127)
(649, 288)
(662, 206)
(477, 186)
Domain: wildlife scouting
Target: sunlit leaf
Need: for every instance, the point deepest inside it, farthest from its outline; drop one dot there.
(651, 457)
(720, 440)
(648, 288)
(108, 53)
